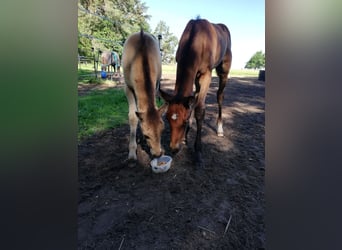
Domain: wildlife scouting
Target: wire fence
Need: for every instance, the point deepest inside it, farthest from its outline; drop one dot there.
(95, 59)
(97, 15)
(96, 53)
(92, 67)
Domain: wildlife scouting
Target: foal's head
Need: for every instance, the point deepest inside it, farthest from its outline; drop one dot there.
(178, 114)
(152, 126)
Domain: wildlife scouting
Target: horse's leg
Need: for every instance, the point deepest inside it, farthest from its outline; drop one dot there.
(219, 97)
(199, 115)
(204, 82)
(188, 127)
(133, 123)
(222, 71)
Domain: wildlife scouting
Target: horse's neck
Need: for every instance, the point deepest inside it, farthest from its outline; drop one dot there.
(145, 99)
(185, 81)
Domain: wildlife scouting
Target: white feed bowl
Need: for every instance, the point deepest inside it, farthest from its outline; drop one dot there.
(161, 164)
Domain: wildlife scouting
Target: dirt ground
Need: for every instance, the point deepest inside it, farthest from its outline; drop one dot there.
(221, 206)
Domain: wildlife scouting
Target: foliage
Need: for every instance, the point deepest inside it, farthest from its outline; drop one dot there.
(105, 24)
(168, 43)
(257, 61)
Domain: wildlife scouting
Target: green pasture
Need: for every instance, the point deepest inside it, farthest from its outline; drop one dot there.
(171, 69)
(101, 110)
(85, 70)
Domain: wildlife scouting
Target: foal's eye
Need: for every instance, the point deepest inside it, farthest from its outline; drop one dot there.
(147, 137)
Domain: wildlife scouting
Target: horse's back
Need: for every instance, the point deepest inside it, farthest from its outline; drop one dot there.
(115, 58)
(203, 41)
(141, 59)
(106, 57)
(225, 33)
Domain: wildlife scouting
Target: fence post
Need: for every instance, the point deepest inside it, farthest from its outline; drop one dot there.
(99, 52)
(160, 49)
(261, 76)
(92, 48)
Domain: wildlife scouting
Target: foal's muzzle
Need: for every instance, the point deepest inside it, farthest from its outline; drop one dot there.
(157, 155)
(175, 148)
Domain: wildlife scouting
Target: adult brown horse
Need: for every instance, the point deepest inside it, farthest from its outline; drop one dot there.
(202, 47)
(142, 71)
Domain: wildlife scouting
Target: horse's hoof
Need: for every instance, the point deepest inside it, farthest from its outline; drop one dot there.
(219, 130)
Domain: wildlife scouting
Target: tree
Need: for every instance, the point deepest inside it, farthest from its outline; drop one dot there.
(168, 43)
(257, 61)
(106, 24)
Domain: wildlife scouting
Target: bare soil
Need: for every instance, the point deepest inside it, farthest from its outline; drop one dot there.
(221, 206)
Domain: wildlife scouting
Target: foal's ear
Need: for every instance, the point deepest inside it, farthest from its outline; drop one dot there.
(166, 96)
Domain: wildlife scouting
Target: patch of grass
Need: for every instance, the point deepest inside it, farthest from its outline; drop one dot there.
(86, 74)
(88, 66)
(101, 110)
(93, 79)
(244, 73)
(169, 69)
(172, 68)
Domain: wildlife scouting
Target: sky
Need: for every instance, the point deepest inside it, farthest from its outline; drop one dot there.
(244, 18)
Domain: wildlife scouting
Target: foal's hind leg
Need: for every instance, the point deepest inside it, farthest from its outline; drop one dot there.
(222, 71)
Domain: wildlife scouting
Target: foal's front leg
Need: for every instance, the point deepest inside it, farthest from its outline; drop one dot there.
(133, 123)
